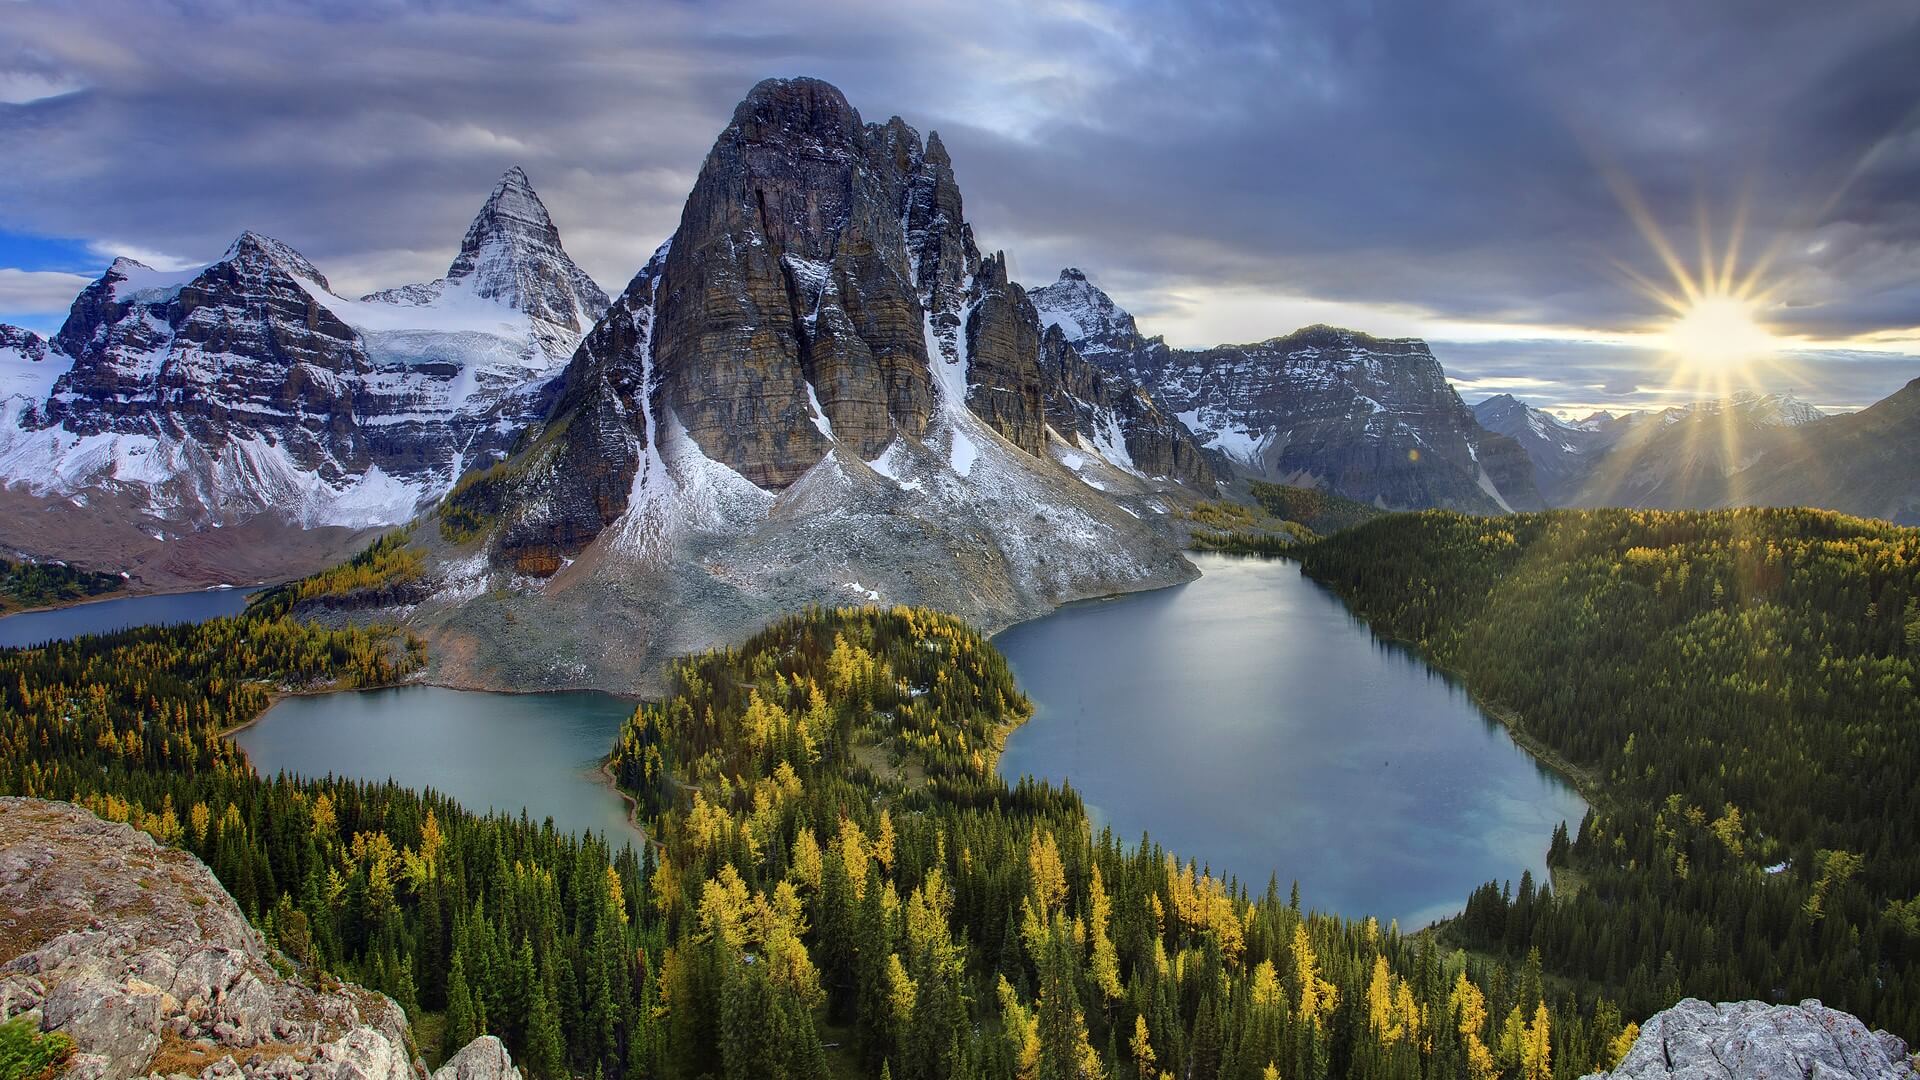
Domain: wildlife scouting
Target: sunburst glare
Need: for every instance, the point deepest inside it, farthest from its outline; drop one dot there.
(1714, 332)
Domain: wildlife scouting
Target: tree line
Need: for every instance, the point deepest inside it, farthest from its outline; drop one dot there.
(837, 882)
(1737, 691)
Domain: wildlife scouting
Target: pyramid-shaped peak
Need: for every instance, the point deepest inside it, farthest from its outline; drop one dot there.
(1073, 273)
(512, 253)
(513, 215)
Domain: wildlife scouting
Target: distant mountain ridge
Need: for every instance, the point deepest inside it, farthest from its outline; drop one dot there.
(175, 403)
(1368, 418)
(1746, 449)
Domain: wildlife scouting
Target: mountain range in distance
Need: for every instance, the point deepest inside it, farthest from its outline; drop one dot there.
(1746, 450)
(819, 390)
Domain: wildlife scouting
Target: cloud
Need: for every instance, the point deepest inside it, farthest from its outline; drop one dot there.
(1401, 164)
(28, 296)
(109, 250)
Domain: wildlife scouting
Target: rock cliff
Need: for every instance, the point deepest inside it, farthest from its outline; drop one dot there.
(136, 953)
(1750, 1040)
(818, 390)
(1368, 418)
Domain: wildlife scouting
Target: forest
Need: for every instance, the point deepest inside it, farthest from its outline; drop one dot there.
(1734, 691)
(46, 584)
(838, 883)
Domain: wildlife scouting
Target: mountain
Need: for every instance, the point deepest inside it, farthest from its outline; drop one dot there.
(512, 256)
(1684, 457)
(1562, 452)
(1744, 450)
(818, 390)
(1088, 317)
(1370, 419)
(247, 395)
(1861, 463)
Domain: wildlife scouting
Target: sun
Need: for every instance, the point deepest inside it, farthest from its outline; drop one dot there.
(1719, 334)
(1713, 334)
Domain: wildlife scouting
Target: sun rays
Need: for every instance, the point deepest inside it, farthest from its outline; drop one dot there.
(1713, 327)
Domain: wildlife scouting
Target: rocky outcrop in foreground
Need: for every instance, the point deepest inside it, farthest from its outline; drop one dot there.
(1749, 1039)
(135, 952)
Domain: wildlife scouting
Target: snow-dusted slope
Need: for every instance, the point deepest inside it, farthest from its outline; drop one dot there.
(204, 398)
(818, 392)
(510, 257)
(1086, 315)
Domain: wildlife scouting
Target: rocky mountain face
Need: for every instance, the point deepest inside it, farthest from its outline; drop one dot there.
(1562, 452)
(181, 403)
(818, 390)
(1368, 418)
(1095, 410)
(1750, 1039)
(136, 953)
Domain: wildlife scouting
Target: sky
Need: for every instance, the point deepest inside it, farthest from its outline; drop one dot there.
(1497, 176)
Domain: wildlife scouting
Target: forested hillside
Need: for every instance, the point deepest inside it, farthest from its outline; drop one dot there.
(1738, 690)
(840, 884)
(837, 844)
(40, 584)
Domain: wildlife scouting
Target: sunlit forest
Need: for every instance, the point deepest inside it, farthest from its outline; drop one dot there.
(1735, 691)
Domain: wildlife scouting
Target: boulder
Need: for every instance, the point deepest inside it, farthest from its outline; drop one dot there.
(1751, 1040)
(136, 952)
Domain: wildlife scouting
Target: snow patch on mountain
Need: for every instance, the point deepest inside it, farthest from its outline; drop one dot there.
(265, 391)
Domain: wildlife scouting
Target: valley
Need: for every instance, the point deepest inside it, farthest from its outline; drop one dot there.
(821, 657)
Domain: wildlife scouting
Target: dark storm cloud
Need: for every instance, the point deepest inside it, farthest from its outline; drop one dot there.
(1452, 158)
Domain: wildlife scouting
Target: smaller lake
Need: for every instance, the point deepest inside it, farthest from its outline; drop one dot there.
(509, 752)
(121, 613)
(1248, 721)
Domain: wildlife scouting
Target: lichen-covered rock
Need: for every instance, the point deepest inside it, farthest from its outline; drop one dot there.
(135, 951)
(485, 1058)
(1750, 1040)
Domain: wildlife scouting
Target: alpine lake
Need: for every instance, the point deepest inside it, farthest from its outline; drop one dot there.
(1245, 719)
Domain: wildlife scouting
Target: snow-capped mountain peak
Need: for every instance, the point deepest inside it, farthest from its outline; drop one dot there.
(201, 398)
(512, 255)
(1089, 318)
(1781, 410)
(512, 252)
(253, 248)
